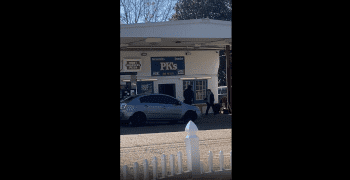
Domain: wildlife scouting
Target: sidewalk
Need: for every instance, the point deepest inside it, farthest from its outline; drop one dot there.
(210, 122)
(137, 148)
(170, 137)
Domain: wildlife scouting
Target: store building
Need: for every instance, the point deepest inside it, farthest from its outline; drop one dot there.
(166, 57)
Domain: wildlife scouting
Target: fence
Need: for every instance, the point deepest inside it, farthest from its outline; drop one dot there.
(194, 164)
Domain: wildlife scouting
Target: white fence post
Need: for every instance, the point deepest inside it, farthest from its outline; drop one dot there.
(192, 148)
(154, 164)
(136, 167)
(221, 160)
(172, 164)
(210, 162)
(125, 171)
(145, 170)
(179, 162)
(163, 163)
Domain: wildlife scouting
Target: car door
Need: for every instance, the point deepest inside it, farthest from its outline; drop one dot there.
(153, 106)
(164, 112)
(173, 107)
(148, 106)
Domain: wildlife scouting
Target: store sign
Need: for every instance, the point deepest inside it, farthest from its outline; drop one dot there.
(168, 66)
(132, 65)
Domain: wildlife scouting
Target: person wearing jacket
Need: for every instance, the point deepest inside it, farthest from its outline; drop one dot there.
(188, 95)
(209, 100)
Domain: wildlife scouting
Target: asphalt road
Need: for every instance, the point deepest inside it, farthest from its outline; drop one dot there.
(210, 122)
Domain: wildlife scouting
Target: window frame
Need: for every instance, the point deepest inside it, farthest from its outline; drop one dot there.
(140, 83)
(194, 88)
(221, 90)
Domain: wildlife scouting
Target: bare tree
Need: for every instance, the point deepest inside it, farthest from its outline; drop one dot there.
(141, 11)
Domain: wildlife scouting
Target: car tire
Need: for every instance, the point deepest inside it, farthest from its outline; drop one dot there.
(138, 119)
(190, 115)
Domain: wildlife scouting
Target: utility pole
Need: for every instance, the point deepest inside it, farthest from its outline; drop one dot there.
(229, 77)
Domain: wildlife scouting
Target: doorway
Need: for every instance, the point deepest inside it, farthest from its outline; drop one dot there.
(168, 89)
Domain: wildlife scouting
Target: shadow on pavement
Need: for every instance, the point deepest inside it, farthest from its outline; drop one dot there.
(210, 122)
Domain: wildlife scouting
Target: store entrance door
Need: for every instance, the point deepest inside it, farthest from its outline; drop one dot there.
(168, 89)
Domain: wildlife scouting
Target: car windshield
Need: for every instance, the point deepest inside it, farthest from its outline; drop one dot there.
(128, 99)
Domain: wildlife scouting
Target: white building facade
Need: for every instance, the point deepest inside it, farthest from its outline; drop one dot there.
(166, 57)
(200, 70)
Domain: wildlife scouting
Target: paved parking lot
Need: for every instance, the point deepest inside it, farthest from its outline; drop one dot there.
(210, 122)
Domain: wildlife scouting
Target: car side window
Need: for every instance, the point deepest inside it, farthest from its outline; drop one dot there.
(169, 100)
(146, 99)
(159, 99)
(151, 99)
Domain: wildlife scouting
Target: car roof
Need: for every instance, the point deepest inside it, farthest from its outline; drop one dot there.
(142, 95)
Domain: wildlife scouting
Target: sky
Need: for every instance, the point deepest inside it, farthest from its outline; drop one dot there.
(142, 20)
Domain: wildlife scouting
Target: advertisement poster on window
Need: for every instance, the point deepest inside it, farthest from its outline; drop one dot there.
(168, 66)
(145, 87)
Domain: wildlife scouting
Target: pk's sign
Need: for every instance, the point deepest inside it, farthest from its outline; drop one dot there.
(168, 66)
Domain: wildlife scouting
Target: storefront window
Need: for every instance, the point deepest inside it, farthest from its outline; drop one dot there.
(145, 87)
(199, 88)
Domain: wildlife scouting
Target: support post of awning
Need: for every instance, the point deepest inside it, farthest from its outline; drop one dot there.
(229, 77)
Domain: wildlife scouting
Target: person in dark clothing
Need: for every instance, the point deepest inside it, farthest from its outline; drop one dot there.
(210, 101)
(189, 95)
(224, 101)
(125, 91)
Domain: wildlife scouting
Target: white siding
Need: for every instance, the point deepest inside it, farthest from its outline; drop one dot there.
(198, 64)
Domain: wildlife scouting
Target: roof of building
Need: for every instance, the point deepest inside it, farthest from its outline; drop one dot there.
(195, 33)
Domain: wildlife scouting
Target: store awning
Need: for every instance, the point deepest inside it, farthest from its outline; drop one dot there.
(128, 73)
(197, 34)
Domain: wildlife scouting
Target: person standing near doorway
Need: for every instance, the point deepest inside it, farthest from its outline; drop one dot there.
(189, 95)
(121, 92)
(209, 100)
(126, 91)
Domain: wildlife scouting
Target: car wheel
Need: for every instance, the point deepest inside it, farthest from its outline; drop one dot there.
(138, 119)
(189, 116)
